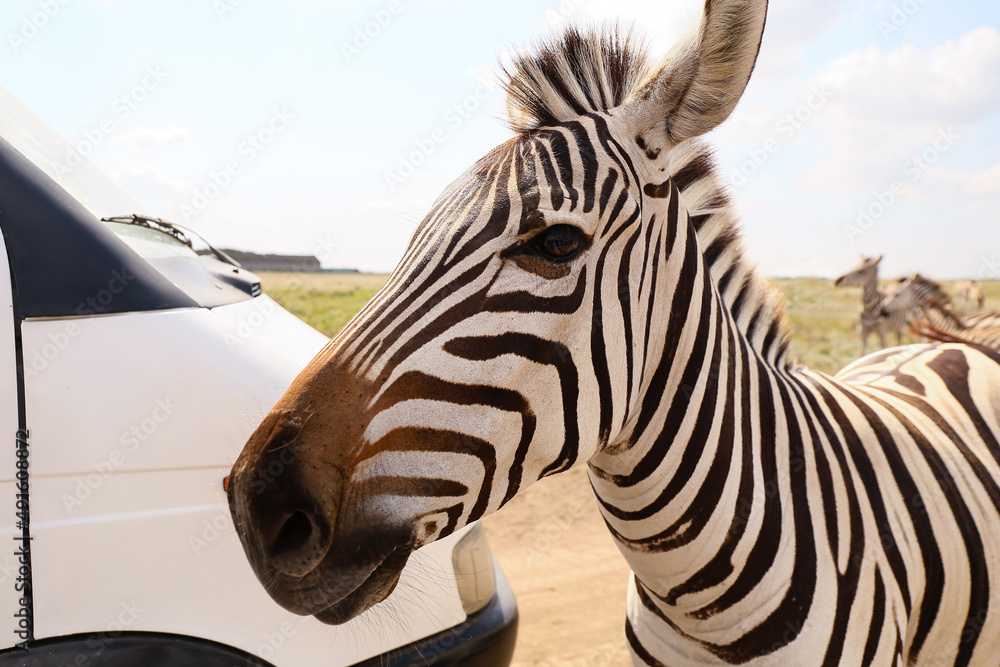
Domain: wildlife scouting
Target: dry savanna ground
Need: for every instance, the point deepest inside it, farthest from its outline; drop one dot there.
(565, 570)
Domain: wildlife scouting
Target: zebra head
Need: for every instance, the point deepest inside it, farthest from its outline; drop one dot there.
(511, 341)
(865, 273)
(912, 292)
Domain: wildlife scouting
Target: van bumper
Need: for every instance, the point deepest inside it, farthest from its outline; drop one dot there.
(485, 639)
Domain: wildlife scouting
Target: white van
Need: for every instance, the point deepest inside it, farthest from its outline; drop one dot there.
(135, 361)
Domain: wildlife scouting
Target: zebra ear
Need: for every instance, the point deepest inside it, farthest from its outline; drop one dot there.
(699, 82)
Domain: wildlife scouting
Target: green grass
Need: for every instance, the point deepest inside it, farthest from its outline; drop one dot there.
(824, 318)
(325, 300)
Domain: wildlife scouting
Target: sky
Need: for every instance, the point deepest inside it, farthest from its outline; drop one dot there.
(329, 129)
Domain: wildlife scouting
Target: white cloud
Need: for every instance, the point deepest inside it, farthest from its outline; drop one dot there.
(979, 189)
(894, 115)
(790, 26)
(145, 141)
(367, 235)
(153, 187)
(662, 23)
(955, 82)
(880, 102)
(859, 155)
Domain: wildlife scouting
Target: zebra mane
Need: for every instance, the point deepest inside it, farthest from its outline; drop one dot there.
(757, 306)
(585, 70)
(590, 70)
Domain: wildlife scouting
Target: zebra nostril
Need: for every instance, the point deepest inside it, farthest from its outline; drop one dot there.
(295, 548)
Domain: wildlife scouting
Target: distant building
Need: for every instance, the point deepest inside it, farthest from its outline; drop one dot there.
(251, 261)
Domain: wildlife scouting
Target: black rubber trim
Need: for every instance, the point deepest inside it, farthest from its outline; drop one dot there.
(131, 649)
(23, 583)
(65, 261)
(485, 639)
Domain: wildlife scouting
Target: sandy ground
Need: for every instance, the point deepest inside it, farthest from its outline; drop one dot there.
(567, 575)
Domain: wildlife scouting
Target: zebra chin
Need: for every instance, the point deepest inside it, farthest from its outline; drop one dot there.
(374, 589)
(355, 573)
(335, 593)
(313, 556)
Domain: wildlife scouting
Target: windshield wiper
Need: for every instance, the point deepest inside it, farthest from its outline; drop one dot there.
(172, 229)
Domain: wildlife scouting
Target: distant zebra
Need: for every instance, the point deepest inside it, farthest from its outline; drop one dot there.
(945, 331)
(871, 318)
(942, 325)
(926, 308)
(982, 321)
(581, 296)
(911, 296)
(968, 295)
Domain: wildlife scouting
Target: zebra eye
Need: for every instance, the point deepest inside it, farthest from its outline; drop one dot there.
(558, 242)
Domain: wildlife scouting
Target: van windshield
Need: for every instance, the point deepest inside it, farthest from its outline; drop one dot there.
(61, 162)
(201, 272)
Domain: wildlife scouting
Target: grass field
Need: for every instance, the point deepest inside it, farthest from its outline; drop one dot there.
(324, 300)
(824, 317)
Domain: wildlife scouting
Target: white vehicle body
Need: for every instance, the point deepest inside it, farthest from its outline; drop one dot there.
(127, 401)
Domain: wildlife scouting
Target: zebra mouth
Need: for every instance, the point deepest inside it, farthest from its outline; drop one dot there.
(375, 588)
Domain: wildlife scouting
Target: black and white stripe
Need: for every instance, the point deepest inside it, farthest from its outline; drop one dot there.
(581, 296)
(912, 297)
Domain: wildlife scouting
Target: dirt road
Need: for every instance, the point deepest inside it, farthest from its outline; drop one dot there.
(566, 572)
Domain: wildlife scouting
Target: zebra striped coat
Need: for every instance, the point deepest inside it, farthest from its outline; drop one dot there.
(914, 296)
(580, 297)
(944, 326)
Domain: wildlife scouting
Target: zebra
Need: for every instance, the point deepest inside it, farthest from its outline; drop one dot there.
(581, 296)
(941, 324)
(989, 320)
(940, 329)
(968, 294)
(871, 317)
(925, 306)
(909, 296)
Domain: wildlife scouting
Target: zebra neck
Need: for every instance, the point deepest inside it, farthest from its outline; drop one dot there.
(698, 483)
(871, 297)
